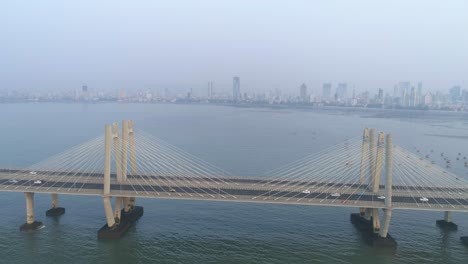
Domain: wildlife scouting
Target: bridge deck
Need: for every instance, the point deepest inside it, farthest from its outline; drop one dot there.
(239, 189)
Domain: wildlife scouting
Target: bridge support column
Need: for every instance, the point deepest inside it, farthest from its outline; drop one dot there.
(55, 210)
(126, 203)
(382, 238)
(118, 209)
(30, 224)
(375, 178)
(384, 230)
(108, 211)
(369, 223)
(362, 220)
(131, 202)
(372, 157)
(118, 222)
(131, 137)
(364, 162)
(110, 221)
(375, 221)
(446, 223)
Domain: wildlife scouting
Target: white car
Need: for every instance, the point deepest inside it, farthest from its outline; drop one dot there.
(306, 191)
(335, 194)
(13, 181)
(381, 197)
(32, 172)
(423, 199)
(38, 182)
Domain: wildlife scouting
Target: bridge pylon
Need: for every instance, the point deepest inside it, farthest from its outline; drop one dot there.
(126, 213)
(364, 161)
(368, 220)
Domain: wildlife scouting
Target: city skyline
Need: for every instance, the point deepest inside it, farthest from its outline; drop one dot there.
(403, 95)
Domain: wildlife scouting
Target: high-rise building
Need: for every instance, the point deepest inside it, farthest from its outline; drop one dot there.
(84, 92)
(380, 96)
(341, 91)
(236, 94)
(419, 94)
(210, 90)
(412, 100)
(455, 93)
(464, 96)
(326, 91)
(404, 93)
(303, 92)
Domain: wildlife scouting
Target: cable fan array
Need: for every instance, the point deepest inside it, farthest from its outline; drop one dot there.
(161, 168)
(342, 173)
(332, 172)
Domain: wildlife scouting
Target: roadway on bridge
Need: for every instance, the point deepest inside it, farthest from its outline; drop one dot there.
(244, 191)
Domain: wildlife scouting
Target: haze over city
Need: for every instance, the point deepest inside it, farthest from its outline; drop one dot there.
(181, 45)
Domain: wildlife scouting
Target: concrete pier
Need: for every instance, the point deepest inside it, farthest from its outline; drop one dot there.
(372, 238)
(446, 223)
(126, 221)
(30, 224)
(55, 210)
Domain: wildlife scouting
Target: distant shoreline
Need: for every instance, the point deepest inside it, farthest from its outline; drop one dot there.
(373, 111)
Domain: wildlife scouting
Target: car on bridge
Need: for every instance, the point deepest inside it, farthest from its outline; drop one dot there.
(33, 172)
(381, 197)
(335, 194)
(13, 181)
(424, 199)
(38, 182)
(306, 191)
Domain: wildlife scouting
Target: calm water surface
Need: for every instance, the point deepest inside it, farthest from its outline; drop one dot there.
(243, 141)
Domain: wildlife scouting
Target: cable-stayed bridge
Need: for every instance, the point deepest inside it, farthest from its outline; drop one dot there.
(368, 172)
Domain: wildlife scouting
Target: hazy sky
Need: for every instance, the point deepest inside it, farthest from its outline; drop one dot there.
(269, 44)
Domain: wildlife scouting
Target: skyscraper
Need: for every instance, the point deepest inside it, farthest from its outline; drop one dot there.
(404, 92)
(326, 91)
(210, 90)
(455, 93)
(419, 94)
(236, 94)
(341, 91)
(412, 97)
(303, 93)
(84, 92)
(380, 96)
